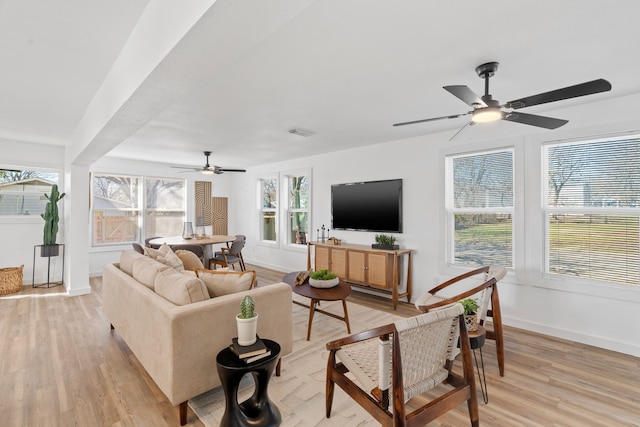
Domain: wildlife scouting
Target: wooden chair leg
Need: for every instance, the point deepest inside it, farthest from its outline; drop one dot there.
(183, 412)
(497, 328)
(330, 385)
(278, 367)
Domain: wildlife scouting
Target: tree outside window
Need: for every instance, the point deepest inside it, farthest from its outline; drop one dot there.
(268, 209)
(298, 209)
(480, 208)
(593, 210)
(123, 205)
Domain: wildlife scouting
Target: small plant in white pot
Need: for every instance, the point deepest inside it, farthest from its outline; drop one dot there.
(247, 321)
(470, 313)
(323, 279)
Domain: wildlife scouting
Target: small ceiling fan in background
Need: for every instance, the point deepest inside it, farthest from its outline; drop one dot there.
(207, 168)
(486, 109)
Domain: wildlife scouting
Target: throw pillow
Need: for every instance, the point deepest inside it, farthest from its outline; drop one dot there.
(145, 270)
(190, 260)
(155, 253)
(127, 258)
(179, 288)
(166, 256)
(226, 282)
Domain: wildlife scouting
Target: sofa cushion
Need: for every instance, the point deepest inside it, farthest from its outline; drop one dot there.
(190, 261)
(166, 256)
(180, 289)
(127, 258)
(145, 270)
(226, 282)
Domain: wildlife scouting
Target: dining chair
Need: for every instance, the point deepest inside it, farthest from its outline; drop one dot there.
(138, 247)
(230, 256)
(487, 293)
(239, 255)
(147, 244)
(384, 368)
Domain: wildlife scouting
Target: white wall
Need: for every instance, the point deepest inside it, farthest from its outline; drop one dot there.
(601, 315)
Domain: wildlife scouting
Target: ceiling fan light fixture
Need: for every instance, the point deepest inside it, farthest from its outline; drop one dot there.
(207, 171)
(487, 114)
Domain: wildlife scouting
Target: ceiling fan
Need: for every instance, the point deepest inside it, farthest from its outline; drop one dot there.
(207, 168)
(487, 109)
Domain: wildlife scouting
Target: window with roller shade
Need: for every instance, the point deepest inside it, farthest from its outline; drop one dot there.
(592, 204)
(480, 208)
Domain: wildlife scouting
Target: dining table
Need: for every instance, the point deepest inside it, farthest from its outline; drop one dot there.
(206, 241)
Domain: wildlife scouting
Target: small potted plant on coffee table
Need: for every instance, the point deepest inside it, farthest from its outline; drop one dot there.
(470, 313)
(323, 279)
(247, 321)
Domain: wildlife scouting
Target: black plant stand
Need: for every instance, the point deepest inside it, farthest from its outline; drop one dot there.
(258, 410)
(49, 283)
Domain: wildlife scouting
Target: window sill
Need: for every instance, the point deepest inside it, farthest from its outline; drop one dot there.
(21, 219)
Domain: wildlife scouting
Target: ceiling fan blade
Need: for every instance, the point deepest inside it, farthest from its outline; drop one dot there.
(191, 168)
(466, 95)
(534, 120)
(582, 89)
(455, 116)
(231, 170)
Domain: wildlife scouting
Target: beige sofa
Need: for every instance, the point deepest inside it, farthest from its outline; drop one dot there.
(178, 344)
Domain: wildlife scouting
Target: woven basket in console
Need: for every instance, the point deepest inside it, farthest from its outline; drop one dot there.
(10, 280)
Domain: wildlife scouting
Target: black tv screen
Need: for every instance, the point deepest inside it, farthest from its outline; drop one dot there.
(367, 206)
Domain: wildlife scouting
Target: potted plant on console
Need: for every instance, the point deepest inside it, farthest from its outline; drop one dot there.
(247, 321)
(385, 241)
(49, 247)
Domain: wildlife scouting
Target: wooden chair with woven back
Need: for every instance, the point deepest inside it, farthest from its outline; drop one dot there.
(489, 302)
(394, 363)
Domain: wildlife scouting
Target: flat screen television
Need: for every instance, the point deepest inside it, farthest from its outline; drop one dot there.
(367, 206)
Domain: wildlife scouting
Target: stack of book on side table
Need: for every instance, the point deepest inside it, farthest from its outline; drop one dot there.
(250, 353)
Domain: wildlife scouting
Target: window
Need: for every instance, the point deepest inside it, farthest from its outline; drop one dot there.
(592, 200)
(298, 208)
(164, 207)
(22, 192)
(268, 209)
(119, 212)
(480, 208)
(116, 209)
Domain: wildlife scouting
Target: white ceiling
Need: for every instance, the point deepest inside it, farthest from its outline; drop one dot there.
(249, 71)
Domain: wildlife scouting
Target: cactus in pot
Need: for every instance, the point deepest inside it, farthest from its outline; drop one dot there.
(51, 220)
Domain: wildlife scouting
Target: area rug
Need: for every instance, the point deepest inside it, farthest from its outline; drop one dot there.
(299, 393)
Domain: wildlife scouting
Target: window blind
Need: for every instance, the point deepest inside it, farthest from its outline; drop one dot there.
(593, 209)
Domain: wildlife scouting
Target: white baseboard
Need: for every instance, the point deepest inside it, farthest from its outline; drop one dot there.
(630, 348)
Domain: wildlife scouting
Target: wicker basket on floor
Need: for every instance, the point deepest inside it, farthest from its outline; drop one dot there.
(10, 280)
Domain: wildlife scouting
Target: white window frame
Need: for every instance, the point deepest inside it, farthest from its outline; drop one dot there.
(450, 211)
(286, 211)
(141, 203)
(261, 210)
(34, 218)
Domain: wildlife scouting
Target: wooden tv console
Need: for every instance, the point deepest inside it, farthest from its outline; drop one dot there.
(359, 265)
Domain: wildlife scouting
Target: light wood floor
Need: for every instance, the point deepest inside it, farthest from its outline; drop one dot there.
(60, 365)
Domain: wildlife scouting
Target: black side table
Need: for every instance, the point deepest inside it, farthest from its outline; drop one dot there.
(258, 410)
(476, 341)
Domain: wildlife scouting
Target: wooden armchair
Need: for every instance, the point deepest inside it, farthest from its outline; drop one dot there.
(396, 362)
(488, 296)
